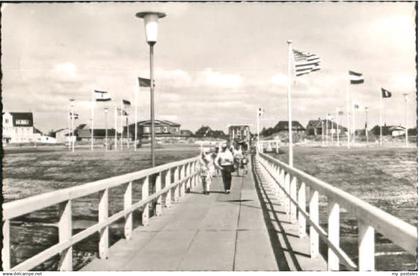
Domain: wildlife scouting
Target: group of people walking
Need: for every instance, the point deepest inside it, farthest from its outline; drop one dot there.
(224, 161)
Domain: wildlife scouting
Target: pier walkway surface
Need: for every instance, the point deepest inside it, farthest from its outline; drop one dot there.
(245, 230)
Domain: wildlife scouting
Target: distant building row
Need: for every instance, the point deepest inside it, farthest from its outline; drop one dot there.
(314, 128)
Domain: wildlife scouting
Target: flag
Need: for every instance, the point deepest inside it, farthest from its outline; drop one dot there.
(356, 78)
(305, 63)
(260, 112)
(102, 96)
(74, 115)
(126, 103)
(144, 82)
(386, 93)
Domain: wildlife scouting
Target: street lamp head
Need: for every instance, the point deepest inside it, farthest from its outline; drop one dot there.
(151, 24)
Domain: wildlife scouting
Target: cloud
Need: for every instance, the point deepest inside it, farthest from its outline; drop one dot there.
(176, 77)
(65, 71)
(209, 77)
(280, 79)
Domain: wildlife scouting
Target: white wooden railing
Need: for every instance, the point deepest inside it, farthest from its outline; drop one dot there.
(168, 189)
(291, 184)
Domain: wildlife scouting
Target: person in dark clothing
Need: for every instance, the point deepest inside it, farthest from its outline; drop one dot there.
(224, 161)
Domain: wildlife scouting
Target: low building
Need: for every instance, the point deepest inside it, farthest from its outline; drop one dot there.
(186, 133)
(314, 127)
(18, 127)
(98, 134)
(163, 129)
(389, 130)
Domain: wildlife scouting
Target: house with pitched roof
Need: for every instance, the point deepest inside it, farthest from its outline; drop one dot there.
(18, 127)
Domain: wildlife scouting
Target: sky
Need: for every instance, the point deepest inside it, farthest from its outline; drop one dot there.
(215, 63)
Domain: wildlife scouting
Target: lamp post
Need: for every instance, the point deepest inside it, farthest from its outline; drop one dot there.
(72, 124)
(151, 27)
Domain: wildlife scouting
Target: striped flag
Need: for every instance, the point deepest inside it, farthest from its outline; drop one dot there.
(356, 78)
(126, 103)
(102, 96)
(305, 63)
(386, 93)
(144, 82)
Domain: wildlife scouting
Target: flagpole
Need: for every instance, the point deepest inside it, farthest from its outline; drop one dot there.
(366, 126)
(289, 100)
(106, 128)
(322, 131)
(258, 131)
(116, 125)
(72, 127)
(336, 122)
(68, 128)
(128, 132)
(380, 121)
(348, 115)
(122, 126)
(135, 120)
(92, 118)
(327, 122)
(353, 123)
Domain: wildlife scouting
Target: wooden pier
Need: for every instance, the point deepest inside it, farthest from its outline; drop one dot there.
(270, 221)
(216, 232)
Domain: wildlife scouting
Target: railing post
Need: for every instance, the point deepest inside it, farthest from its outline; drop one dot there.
(128, 226)
(302, 205)
(314, 215)
(176, 189)
(277, 178)
(282, 180)
(193, 179)
(333, 234)
(366, 242)
(145, 195)
(64, 234)
(158, 188)
(5, 252)
(292, 214)
(286, 198)
(102, 217)
(196, 176)
(168, 199)
(187, 174)
(182, 185)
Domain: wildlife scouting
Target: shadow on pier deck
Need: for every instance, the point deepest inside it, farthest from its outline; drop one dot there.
(246, 230)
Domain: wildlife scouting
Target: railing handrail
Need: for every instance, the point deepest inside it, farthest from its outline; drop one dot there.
(184, 177)
(400, 232)
(27, 205)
